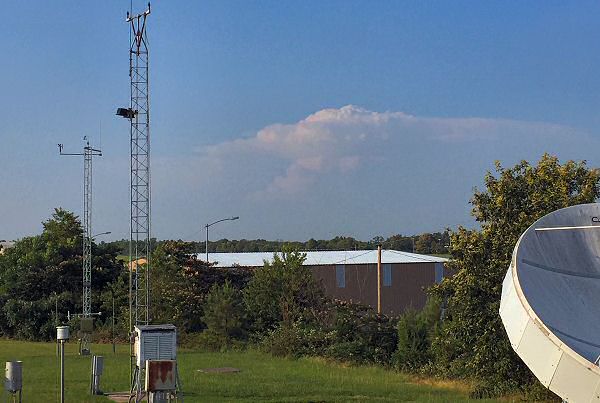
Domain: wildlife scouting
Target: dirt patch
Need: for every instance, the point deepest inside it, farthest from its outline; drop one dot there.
(118, 396)
(442, 383)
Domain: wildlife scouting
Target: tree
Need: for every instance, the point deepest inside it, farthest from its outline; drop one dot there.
(415, 333)
(282, 291)
(43, 271)
(181, 283)
(224, 316)
(425, 243)
(38, 271)
(399, 242)
(472, 341)
(117, 289)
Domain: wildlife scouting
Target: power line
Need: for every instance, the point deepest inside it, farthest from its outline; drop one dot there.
(413, 255)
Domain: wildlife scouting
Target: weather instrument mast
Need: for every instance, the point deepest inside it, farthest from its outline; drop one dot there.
(138, 114)
(87, 326)
(149, 344)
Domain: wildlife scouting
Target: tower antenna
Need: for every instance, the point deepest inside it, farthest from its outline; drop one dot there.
(87, 324)
(138, 114)
(154, 344)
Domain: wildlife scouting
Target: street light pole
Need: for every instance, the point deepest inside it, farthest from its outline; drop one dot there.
(102, 233)
(210, 225)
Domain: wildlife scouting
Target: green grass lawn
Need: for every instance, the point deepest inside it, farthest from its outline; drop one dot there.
(262, 378)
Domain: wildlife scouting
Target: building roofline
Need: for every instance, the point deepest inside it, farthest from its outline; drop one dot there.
(321, 258)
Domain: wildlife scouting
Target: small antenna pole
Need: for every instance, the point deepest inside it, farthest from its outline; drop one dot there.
(86, 316)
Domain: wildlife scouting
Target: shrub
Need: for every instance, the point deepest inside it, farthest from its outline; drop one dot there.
(283, 341)
(343, 331)
(361, 335)
(296, 340)
(225, 317)
(415, 332)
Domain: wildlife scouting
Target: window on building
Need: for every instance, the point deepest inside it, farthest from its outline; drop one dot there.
(387, 275)
(439, 272)
(340, 275)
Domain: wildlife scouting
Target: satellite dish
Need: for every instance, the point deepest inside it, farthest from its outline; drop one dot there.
(550, 304)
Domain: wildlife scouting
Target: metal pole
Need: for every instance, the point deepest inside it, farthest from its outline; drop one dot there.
(62, 371)
(113, 322)
(56, 320)
(206, 243)
(88, 155)
(216, 222)
(379, 279)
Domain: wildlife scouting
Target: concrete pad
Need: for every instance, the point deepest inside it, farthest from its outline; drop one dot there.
(222, 370)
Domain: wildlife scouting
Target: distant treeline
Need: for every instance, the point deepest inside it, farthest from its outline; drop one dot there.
(426, 243)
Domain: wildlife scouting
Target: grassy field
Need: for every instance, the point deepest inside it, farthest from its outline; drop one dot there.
(262, 377)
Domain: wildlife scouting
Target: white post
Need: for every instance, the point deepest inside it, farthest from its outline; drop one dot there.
(62, 371)
(62, 335)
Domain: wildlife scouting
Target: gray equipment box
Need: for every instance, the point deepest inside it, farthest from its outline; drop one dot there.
(154, 342)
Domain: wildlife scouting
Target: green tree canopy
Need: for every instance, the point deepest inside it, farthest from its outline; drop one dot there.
(282, 291)
(472, 341)
(42, 271)
(181, 283)
(224, 316)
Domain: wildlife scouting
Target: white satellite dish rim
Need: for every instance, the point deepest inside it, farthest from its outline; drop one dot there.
(549, 332)
(558, 366)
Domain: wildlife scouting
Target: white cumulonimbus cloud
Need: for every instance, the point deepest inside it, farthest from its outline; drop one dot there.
(340, 141)
(351, 171)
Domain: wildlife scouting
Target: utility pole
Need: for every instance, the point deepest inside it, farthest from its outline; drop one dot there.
(87, 325)
(379, 279)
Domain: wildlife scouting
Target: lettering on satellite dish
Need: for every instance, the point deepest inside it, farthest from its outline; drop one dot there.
(595, 219)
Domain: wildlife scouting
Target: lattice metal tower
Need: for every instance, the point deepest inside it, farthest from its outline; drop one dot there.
(138, 114)
(86, 316)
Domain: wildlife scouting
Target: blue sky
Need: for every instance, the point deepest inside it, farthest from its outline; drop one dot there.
(306, 119)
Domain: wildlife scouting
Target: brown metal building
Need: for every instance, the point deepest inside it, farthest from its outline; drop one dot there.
(352, 275)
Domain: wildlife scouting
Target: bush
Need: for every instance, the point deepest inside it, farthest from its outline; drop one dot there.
(30, 320)
(415, 333)
(361, 335)
(284, 341)
(296, 340)
(341, 330)
(413, 344)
